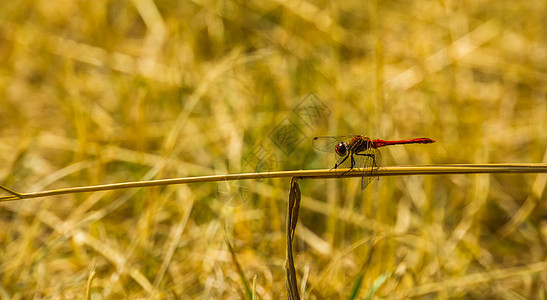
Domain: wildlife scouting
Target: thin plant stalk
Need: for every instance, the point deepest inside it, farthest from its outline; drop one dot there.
(304, 174)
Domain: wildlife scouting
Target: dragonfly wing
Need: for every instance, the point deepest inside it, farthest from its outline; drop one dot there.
(378, 158)
(327, 143)
(372, 160)
(365, 182)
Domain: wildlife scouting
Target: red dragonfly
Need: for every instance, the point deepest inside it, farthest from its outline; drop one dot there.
(357, 151)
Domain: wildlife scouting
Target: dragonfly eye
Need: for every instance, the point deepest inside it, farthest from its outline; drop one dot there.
(341, 149)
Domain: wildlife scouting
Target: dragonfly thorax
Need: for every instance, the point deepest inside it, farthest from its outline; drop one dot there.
(356, 145)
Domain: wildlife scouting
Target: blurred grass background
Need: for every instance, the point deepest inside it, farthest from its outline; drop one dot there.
(111, 91)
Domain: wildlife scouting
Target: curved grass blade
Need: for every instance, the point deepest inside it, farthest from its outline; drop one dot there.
(293, 207)
(356, 287)
(377, 284)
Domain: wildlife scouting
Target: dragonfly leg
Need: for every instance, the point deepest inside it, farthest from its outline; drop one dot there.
(341, 162)
(373, 161)
(352, 164)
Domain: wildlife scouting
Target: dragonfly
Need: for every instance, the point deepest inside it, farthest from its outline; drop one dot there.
(357, 151)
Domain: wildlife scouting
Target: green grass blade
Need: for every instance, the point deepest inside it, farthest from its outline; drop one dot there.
(377, 284)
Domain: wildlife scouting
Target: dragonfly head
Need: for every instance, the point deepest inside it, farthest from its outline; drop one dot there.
(341, 149)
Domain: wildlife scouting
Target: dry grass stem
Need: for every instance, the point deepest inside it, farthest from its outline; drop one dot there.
(325, 173)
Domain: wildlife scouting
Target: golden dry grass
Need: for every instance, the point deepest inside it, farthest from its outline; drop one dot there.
(100, 92)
